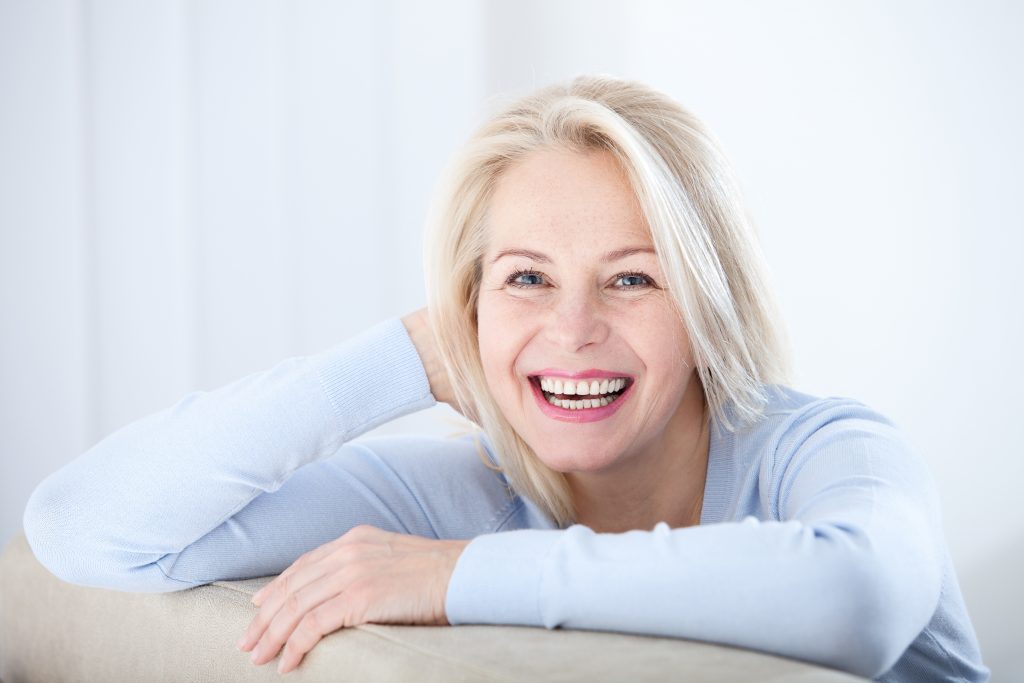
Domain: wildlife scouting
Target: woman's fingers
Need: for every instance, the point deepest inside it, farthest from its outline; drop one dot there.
(367, 574)
(296, 607)
(333, 559)
(325, 619)
(288, 585)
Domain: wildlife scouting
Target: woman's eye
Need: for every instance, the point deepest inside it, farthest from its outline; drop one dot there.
(632, 280)
(532, 279)
(524, 278)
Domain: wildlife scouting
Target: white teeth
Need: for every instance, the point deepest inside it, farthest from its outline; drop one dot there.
(558, 387)
(582, 404)
(581, 387)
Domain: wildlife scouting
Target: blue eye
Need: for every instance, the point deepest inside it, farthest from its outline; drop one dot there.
(633, 280)
(532, 278)
(528, 279)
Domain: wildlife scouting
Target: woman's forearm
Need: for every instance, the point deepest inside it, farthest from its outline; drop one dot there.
(120, 514)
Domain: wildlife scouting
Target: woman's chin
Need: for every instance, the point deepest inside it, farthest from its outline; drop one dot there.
(576, 461)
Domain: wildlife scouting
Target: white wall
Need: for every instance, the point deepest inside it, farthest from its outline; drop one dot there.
(191, 191)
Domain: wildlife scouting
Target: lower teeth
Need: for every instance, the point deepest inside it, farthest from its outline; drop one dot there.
(581, 404)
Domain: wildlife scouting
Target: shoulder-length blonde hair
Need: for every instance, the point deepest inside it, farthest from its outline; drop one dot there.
(705, 243)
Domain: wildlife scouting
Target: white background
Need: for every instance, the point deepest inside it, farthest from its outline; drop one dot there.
(193, 191)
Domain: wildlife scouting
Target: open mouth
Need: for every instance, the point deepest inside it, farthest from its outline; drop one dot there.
(587, 394)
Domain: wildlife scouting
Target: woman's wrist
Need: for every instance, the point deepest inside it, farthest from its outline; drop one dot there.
(417, 324)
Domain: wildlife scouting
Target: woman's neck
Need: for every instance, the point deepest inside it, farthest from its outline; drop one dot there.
(664, 483)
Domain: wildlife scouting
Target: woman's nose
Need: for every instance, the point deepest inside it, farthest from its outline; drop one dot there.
(577, 321)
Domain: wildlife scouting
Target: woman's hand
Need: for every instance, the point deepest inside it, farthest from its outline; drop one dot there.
(418, 326)
(367, 575)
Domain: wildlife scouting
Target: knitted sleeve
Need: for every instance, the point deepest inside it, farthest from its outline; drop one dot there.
(240, 481)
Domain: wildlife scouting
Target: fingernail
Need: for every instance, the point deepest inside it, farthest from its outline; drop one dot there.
(241, 643)
(255, 655)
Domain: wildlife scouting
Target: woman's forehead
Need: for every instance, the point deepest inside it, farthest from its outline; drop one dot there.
(554, 243)
(565, 201)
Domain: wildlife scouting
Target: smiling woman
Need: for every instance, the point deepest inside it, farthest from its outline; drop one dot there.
(599, 307)
(592, 322)
(554, 206)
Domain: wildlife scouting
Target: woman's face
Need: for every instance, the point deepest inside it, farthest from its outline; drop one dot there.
(582, 348)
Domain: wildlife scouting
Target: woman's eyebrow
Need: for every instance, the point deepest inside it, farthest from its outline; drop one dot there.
(628, 251)
(541, 258)
(525, 253)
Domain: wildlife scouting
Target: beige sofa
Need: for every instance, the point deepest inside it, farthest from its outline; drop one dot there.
(53, 631)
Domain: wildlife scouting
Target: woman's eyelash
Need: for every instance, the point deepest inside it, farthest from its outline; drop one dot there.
(636, 273)
(512, 279)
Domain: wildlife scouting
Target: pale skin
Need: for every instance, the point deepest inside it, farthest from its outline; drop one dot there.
(569, 281)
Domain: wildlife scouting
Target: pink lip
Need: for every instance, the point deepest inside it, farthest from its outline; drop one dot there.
(586, 414)
(554, 372)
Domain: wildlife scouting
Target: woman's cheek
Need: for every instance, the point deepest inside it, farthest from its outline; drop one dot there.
(505, 315)
(503, 334)
(494, 338)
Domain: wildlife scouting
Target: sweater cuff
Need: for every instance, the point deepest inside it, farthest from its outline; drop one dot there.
(373, 378)
(498, 578)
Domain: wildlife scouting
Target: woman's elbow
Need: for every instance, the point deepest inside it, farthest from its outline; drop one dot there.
(55, 539)
(66, 543)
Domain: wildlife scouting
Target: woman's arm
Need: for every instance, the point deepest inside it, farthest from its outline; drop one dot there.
(242, 480)
(848, 576)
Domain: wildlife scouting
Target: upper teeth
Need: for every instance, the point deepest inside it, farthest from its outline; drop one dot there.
(581, 387)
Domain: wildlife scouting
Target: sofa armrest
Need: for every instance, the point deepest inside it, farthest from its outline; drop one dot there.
(54, 631)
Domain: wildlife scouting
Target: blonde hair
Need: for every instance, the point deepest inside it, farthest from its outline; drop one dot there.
(705, 243)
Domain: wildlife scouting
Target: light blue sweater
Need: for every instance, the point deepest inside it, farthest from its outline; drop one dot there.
(820, 536)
